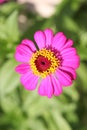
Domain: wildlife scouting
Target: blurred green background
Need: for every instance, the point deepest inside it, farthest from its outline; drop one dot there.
(25, 110)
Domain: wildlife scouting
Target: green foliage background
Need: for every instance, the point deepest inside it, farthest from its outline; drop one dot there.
(24, 110)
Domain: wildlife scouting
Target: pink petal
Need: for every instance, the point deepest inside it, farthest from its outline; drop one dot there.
(22, 68)
(23, 53)
(29, 80)
(68, 44)
(59, 40)
(56, 85)
(64, 78)
(40, 39)
(70, 71)
(49, 36)
(46, 88)
(66, 57)
(72, 62)
(29, 44)
(68, 51)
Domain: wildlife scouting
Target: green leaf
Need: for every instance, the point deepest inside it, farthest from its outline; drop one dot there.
(12, 27)
(60, 121)
(8, 8)
(82, 72)
(8, 78)
(82, 51)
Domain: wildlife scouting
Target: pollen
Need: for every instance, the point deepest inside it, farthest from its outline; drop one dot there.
(44, 62)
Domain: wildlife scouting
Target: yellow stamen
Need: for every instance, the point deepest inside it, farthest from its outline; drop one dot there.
(55, 62)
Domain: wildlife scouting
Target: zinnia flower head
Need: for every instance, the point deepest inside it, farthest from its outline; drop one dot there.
(2, 1)
(54, 63)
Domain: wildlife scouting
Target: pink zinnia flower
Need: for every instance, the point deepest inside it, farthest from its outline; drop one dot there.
(2, 1)
(53, 64)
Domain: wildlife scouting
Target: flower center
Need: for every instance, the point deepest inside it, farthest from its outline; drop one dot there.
(44, 62)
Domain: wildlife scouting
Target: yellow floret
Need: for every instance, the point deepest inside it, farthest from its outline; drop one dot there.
(55, 62)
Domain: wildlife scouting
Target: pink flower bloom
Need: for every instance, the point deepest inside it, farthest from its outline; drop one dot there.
(2, 1)
(54, 64)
